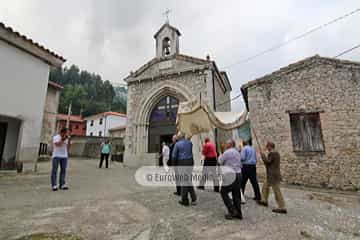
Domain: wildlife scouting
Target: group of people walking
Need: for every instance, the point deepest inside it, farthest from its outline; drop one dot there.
(179, 155)
(242, 161)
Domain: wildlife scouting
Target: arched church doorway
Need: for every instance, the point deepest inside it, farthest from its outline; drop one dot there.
(162, 122)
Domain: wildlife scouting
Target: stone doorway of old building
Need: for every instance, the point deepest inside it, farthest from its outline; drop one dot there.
(3, 130)
(9, 135)
(162, 123)
(164, 139)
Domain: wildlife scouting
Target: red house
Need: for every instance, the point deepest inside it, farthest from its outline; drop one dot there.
(77, 126)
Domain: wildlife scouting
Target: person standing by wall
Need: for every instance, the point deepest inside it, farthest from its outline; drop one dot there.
(231, 183)
(183, 155)
(61, 147)
(273, 178)
(209, 167)
(105, 153)
(248, 159)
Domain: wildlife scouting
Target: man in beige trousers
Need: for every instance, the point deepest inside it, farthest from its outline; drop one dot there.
(273, 178)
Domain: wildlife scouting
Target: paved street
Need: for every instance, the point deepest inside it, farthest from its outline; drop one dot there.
(108, 204)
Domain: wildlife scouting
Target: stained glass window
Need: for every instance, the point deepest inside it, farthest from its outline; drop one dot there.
(165, 110)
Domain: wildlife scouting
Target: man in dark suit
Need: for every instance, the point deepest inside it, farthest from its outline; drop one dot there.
(172, 162)
(183, 155)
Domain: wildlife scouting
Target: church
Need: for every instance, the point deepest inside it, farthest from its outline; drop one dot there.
(155, 91)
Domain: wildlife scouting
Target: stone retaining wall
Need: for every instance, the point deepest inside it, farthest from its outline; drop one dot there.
(82, 146)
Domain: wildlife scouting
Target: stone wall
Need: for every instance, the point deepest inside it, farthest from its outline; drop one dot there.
(89, 147)
(329, 86)
(50, 111)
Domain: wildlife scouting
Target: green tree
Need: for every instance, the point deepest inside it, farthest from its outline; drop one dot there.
(87, 92)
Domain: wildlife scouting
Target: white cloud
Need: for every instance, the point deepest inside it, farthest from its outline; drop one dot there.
(114, 37)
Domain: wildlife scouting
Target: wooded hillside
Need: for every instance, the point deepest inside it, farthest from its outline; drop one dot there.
(87, 92)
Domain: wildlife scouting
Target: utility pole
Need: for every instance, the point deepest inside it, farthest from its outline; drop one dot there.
(68, 117)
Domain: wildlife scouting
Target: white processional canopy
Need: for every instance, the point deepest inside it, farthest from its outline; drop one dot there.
(194, 118)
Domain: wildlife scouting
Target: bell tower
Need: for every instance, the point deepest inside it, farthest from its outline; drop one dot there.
(167, 41)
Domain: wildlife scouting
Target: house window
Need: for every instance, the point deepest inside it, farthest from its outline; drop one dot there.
(92, 123)
(100, 133)
(100, 121)
(76, 126)
(306, 132)
(91, 134)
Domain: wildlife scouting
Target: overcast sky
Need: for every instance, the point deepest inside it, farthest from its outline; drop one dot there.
(113, 37)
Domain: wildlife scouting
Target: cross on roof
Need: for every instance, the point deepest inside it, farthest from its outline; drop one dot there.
(167, 13)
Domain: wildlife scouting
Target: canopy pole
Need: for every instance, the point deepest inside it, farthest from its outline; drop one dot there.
(256, 138)
(201, 143)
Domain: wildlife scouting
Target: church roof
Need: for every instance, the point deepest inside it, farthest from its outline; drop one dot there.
(28, 45)
(157, 60)
(201, 62)
(169, 26)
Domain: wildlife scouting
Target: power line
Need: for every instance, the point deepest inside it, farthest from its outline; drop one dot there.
(290, 41)
(275, 47)
(347, 51)
(340, 54)
(232, 99)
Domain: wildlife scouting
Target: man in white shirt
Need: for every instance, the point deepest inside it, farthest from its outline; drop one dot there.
(165, 155)
(61, 145)
(231, 158)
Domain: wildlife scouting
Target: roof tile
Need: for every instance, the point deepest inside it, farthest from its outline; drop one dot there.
(12, 31)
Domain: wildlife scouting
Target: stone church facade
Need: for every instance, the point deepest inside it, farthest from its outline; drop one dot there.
(155, 91)
(311, 111)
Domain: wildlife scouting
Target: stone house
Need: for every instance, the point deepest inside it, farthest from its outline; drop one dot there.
(77, 125)
(100, 124)
(24, 75)
(155, 91)
(311, 111)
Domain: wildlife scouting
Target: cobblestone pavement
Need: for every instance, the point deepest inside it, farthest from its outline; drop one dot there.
(108, 204)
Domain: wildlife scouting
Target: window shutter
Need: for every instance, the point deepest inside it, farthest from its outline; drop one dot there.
(306, 132)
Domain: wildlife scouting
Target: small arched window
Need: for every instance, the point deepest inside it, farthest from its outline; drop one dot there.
(166, 47)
